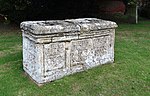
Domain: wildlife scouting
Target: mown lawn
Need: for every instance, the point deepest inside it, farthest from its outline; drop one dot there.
(128, 76)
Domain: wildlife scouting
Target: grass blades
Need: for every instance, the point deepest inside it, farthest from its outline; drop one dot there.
(129, 75)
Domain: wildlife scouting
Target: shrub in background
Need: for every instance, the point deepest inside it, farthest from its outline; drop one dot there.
(20, 10)
(145, 10)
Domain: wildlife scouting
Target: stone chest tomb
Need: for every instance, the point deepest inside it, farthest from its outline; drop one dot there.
(56, 48)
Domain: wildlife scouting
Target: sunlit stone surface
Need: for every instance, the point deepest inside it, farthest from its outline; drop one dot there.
(56, 48)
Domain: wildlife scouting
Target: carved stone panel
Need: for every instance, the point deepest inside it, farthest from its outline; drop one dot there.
(54, 56)
(81, 52)
(101, 49)
(32, 63)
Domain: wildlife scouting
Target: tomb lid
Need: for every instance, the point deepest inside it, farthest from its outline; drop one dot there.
(48, 27)
(92, 24)
(69, 25)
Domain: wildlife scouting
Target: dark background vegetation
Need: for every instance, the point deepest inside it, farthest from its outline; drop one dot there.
(23, 10)
(20, 10)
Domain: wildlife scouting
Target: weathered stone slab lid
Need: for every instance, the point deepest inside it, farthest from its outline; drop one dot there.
(92, 24)
(49, 27)
(69, 25)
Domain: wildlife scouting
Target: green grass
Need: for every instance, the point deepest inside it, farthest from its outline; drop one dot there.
(128, 76)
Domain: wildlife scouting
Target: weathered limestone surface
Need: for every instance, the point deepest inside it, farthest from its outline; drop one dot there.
(53, 49)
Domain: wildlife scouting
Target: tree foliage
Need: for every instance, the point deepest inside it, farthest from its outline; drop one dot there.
(19, 10)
